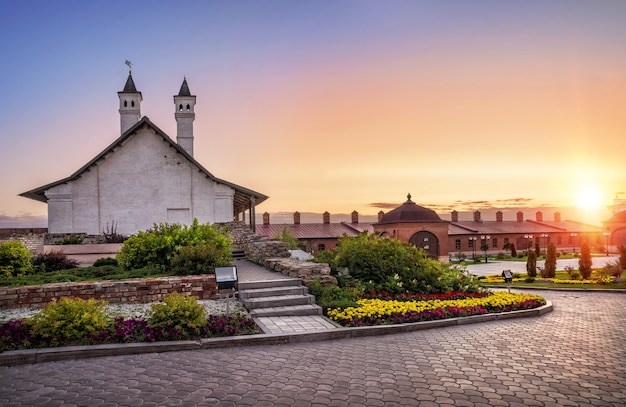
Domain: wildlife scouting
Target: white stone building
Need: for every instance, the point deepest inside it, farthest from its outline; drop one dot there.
(144, 177)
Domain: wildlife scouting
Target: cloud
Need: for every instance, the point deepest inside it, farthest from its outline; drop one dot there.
(25, 220)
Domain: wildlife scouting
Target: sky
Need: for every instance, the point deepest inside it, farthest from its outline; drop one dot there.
(331, 105)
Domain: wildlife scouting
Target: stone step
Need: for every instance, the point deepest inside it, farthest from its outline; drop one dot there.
(238, 253)
(273, 291)
(294, 310)
(282, 282)
(278, 301)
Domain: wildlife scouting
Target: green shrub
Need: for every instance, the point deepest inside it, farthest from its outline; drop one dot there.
(585, 262)
(531, 264)
(613, 269)
(198, 259)
(74, 239)
(54, 261)
(332, 296)
(105, 261)
(70, 320)
(156, 248)
(529, 279)
(395, 265)
(178, 313)
(15, 259)
(288, 237)
(550, 265)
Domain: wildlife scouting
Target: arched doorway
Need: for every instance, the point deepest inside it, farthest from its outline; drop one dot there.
(426, 241)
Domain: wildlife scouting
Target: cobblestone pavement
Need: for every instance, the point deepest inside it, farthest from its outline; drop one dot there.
(574, 356)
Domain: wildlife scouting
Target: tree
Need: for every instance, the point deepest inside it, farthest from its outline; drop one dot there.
(585, 262)
(537, 249)
(622, 257)
(531, 264)
(550, 267)
(288, 237)
(513, 251)
(485, 247)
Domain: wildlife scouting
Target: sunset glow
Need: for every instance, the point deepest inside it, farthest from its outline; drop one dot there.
(332, 106)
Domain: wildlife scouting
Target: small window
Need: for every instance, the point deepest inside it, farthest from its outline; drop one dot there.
(470, 243)
(125, 103)
(457, 244)
(188, 107)
(132, 103)
(321, 247)
(180, 108)
(494, 242)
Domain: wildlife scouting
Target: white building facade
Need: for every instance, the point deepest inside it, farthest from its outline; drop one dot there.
(144, 177)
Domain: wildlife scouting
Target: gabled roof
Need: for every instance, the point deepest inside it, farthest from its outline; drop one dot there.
(315, 230)
(510, 227)
(241, 194)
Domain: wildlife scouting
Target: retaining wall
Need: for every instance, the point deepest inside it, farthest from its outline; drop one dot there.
(142, 290)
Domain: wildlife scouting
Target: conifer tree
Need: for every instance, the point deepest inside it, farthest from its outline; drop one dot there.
(550, 267)
(531, 264)
(585, 262)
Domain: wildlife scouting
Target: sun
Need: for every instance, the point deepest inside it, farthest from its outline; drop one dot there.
(588, 197)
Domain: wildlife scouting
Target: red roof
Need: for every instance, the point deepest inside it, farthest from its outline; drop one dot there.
(315, 230)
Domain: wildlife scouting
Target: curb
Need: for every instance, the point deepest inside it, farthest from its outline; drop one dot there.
(31, 356)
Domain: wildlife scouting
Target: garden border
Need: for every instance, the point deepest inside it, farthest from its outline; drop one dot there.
(31, 356)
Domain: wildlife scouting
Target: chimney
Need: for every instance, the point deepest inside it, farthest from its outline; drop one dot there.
(520, 216)
(557, 216)
(296, 218)
(326, 217)
(455, 216)
(539, 216)
(266, 218)
(355, 217)
(499, 216)
(380, 215)
(477, 216)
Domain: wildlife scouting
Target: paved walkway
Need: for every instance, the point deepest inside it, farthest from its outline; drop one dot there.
(573, 356)
(496, 266)
(248, 271)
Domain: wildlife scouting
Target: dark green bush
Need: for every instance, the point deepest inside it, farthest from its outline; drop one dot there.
(394, 266)
(105, 261)
(198, 259)
(332, 296)
(585, 262)
(531, 264)
(53, 261)
(178, 313)
(70, 320)
(15, 259)
(70, 240)
(156, 247)
(550, 265)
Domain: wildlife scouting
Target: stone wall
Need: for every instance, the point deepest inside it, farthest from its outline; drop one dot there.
(275, 256)
(31, 237)
(143, 290)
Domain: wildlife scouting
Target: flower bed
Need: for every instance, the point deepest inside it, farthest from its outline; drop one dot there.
(375, 311)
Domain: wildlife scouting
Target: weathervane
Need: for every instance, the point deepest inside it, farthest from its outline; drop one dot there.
(130, 66)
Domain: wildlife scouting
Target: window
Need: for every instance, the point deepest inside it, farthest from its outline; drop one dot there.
(188, 107)
(494, 242)
(125, 103)
(470, 243)
(321, 247)
(132, 103)
(506, 240)
(457, 244)
(559, 240)
(180, 108)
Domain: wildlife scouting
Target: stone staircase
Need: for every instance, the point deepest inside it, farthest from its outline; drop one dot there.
(238, 253)
(272, 298)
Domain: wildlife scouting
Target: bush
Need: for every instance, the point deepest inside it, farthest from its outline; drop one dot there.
(54, 261)
(531, 264)
(585, 262)
(70, 240)
(15, 259)
(105, 261)
(199, 259)
(395, 265)
(69, 320)
(156, 248)
(613, 269)
(550, 265)
(331, 296)
(180, 316)
(288, 237)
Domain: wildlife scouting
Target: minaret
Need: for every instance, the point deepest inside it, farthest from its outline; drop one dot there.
(185, 103)
(130, 103)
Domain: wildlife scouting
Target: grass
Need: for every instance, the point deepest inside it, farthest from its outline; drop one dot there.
(80, 274)
(563, 275)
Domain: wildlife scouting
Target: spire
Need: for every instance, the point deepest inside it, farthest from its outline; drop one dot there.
(184, 88)
(130, 84)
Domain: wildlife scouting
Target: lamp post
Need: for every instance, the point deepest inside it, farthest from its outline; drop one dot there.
(485, 245)
(528, 237)
(573, 235)
(473, 239)
(545, 242)
(606, 238)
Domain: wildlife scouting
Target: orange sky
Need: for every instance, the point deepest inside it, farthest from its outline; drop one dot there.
(335, 106)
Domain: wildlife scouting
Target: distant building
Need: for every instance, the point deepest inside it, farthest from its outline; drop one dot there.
(144, 177)
(423, 228)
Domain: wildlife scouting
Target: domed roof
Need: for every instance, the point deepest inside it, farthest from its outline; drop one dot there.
(619, 217)
(410, 212)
